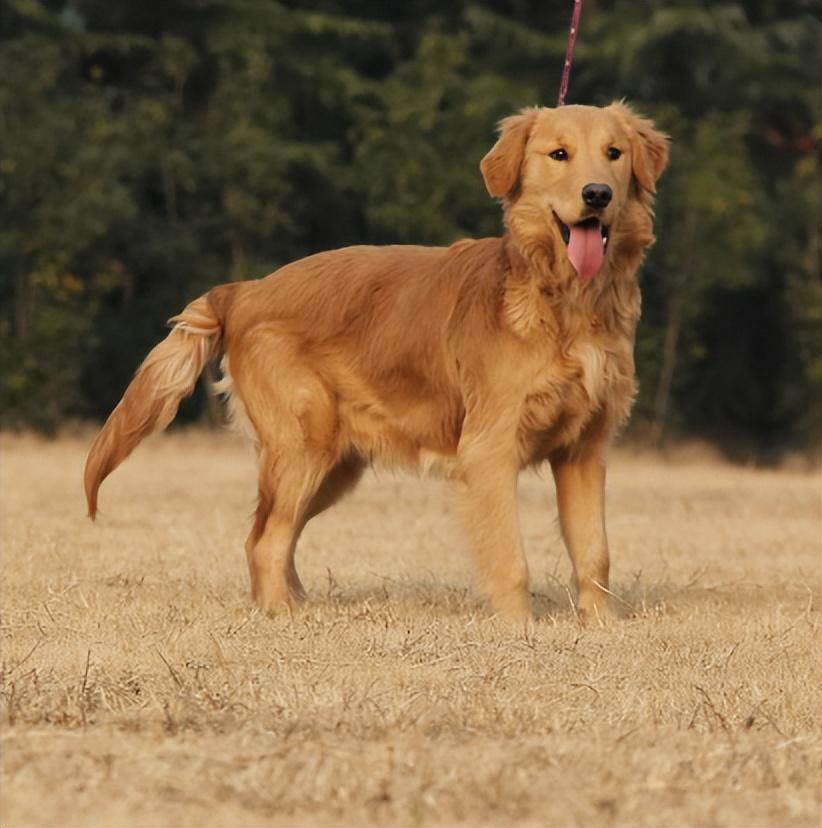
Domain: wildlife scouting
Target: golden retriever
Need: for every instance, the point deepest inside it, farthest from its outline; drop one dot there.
(480, 358)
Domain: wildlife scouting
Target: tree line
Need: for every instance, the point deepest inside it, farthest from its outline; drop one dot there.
(150, 149)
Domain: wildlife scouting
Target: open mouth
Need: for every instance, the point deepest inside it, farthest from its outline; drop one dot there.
(587, 242)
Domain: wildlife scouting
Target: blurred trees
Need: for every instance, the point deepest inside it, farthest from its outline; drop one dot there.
(151, 149)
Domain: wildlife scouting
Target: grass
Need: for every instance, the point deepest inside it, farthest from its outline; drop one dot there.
(140, 688)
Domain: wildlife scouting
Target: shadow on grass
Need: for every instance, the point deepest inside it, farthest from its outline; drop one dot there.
(556, 601)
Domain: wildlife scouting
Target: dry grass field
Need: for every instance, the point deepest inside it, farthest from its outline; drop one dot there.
(140, 688)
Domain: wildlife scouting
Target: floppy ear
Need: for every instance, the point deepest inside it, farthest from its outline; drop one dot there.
(500, 167)
(649, 147)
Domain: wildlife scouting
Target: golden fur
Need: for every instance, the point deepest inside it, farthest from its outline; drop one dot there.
(479, 358)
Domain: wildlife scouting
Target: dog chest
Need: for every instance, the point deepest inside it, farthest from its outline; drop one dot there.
(593, 379)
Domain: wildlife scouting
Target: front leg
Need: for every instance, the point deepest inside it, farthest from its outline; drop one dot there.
(580, 483)
(487, 494)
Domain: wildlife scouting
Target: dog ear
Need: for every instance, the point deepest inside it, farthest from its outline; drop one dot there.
(649, 147)
(500, 167)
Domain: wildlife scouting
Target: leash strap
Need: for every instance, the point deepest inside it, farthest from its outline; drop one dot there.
(569, 52)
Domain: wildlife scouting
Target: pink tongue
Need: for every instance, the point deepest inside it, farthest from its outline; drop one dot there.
(585, 250)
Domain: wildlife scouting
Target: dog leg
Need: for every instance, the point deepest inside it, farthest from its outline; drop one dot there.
(486, 491)
(287, 486)
(580, 486)
(337, 484)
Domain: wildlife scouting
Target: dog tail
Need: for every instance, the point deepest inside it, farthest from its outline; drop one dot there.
(150, 402)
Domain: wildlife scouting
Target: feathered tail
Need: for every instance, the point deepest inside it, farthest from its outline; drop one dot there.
(167, 374)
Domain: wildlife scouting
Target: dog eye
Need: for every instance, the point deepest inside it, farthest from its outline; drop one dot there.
(613, 153)
(559, 155)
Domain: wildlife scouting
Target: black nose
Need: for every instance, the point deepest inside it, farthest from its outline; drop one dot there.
(597, 195)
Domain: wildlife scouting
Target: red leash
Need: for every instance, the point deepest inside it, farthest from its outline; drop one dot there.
(569, 52)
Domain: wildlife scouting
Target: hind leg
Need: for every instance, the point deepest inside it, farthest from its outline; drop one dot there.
(337, 484)
(296, 429)
(272, 544)
(297, 424)
(288, 484)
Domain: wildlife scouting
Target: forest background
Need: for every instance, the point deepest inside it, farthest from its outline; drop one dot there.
(150, 149)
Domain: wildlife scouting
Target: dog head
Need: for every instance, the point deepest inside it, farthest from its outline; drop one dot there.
(577, 182)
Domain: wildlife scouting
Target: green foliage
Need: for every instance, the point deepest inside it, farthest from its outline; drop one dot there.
(150, 150)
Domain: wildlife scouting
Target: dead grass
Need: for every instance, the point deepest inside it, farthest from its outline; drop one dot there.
(139, 688)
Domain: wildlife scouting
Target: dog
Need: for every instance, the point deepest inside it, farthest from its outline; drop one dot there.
(479, 359)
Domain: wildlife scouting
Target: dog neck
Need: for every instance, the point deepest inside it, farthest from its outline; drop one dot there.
(543, 295)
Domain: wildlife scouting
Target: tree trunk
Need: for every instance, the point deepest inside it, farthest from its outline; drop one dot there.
(22, 305)
(666, 375)
(676, 316)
